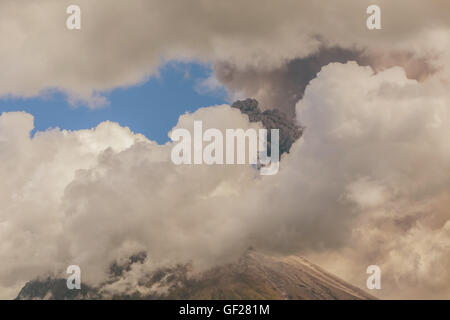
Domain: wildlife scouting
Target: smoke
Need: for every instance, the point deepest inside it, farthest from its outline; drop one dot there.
(289, 131)
(279, 88)
(282, 87)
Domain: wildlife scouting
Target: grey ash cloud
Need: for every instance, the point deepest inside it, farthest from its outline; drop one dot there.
(272, 119)
(283, 87)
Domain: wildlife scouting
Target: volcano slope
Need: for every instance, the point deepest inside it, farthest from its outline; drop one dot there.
(254, 276)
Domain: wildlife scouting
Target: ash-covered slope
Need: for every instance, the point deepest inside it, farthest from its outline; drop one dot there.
(253, 276)
(258, 276)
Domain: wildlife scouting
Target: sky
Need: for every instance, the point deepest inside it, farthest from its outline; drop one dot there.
(151, 108)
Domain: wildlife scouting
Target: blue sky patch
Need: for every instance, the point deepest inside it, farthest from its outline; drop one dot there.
(151, 108)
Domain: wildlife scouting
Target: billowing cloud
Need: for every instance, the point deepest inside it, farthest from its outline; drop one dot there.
(121, 44)
(365, 183)
(91, 197)
(387, 137)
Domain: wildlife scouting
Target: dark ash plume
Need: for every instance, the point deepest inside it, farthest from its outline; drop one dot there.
(272, 119)
(117, 269)
(281, 88)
